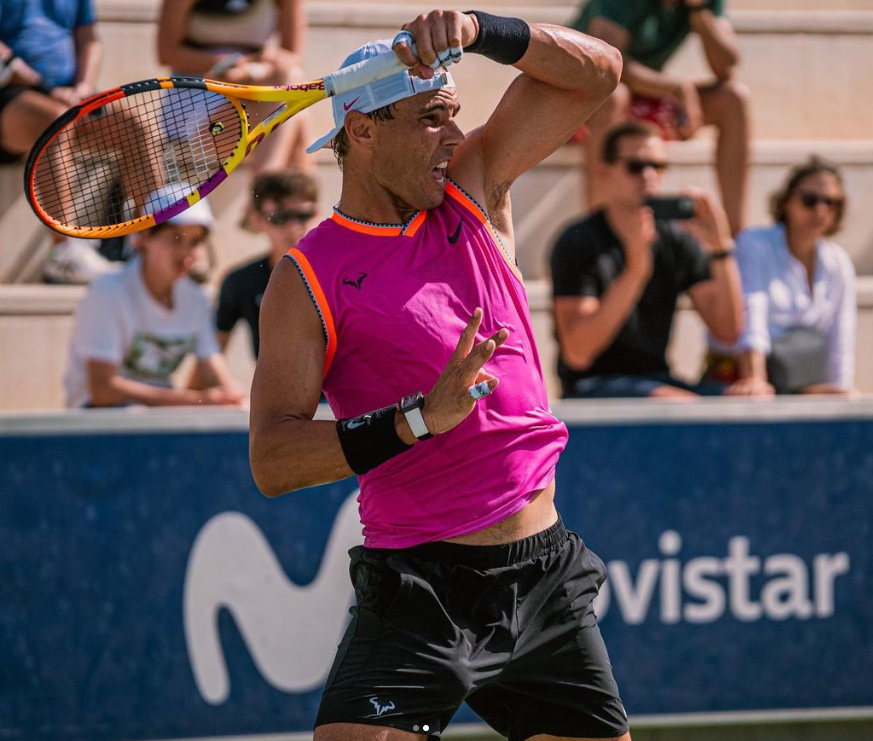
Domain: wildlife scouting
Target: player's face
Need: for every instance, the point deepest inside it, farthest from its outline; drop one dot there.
(285, 221)
(638, 171)
(413, 150)
(170, 252)
(812, 208)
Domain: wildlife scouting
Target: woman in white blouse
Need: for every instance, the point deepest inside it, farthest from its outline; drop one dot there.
(799, 295)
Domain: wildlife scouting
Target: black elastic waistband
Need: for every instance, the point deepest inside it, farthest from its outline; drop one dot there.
(492, 556)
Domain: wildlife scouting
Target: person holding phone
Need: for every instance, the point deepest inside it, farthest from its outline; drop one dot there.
(616, 276)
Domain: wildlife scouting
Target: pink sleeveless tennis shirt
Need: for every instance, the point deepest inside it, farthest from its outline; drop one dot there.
(393, 302)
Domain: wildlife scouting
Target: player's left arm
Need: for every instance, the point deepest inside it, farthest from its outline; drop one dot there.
(566, 75)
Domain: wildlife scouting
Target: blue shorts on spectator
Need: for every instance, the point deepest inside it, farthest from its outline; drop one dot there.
(627, 387)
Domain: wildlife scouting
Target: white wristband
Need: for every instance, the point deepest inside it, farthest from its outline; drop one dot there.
(416, 423)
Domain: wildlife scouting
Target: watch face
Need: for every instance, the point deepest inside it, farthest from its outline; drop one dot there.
(411, 401)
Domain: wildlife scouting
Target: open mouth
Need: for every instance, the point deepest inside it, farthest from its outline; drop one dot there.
(439, 172)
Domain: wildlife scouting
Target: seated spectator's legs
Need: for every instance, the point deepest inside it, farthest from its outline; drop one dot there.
(24, 115)
(612, 112)
(726, 106)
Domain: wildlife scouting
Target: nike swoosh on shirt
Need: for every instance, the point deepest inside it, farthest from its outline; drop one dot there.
(347, 106)
(454, 237)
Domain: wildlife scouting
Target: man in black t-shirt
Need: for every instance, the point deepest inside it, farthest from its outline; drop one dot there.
(284, 207)
(616, 276)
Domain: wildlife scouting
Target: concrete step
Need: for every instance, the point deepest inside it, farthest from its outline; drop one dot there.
(809, 70)
(544, 201)
(36, 323)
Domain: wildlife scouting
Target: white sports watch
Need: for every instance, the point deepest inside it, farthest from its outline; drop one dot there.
(411, 407)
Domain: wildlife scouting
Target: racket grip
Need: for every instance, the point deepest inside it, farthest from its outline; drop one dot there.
(362, 73)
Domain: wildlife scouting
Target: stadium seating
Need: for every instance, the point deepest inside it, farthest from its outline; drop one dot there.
(800, 106)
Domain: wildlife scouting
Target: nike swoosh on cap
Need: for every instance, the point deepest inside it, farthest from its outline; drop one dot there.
(347, 106)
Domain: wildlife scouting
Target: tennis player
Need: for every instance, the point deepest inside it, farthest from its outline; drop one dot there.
(407, 308)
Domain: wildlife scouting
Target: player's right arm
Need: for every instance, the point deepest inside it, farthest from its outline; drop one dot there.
(290, 450)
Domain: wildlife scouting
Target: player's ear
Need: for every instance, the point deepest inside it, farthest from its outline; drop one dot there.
(359, 129)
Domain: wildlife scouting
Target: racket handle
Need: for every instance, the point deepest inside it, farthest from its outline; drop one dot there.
(362, 73)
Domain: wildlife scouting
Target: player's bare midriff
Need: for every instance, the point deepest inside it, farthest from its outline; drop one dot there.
(537, 516)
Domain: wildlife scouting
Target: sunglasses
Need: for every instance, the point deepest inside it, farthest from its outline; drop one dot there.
(635, 166)
(279, 218)
(811, 200)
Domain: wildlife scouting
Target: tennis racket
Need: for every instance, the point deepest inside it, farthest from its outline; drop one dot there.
(91, 173)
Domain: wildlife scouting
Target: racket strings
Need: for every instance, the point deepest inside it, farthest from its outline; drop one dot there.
(101, 169)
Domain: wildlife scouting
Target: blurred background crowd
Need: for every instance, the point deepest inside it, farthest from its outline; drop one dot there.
(672, 249)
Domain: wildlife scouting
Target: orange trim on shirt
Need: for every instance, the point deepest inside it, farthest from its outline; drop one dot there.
(373, 231)
(415, 224)
(323, 306)
(462, 198)
(474, 209)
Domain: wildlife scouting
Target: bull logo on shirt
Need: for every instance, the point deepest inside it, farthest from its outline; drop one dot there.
(356, 282)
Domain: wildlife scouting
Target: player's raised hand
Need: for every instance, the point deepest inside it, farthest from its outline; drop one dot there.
(450, 400)
(439, 38)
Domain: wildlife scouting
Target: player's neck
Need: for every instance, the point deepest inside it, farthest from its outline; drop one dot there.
(364, 200)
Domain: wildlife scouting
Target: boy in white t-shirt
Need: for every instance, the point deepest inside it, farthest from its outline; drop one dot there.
(134, 328)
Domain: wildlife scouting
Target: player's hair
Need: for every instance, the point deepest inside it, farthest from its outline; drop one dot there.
(340, 143)
(813, 166)
(281, 184)
(627, 130)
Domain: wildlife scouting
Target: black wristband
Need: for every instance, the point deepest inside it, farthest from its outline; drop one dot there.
(502, 40)
(370, 440)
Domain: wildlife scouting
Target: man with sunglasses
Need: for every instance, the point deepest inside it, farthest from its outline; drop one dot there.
(616, 276)
(284, 206)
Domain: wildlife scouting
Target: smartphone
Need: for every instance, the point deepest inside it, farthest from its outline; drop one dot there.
(670, 208)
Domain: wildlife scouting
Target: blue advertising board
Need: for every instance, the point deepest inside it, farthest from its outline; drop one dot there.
(147, 590)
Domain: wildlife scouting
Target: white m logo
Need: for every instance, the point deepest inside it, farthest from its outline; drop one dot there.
(290, 631)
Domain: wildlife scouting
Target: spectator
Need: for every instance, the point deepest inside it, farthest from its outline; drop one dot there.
(799, 295)
(233, 41)
(617, 274)
(284, 206)
(134, 328)
(49, 58)
(648, 32)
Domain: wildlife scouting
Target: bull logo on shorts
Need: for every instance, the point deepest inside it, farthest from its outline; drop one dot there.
(381, 709)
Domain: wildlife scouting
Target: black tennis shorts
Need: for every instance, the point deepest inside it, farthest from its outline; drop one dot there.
(507, 628)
